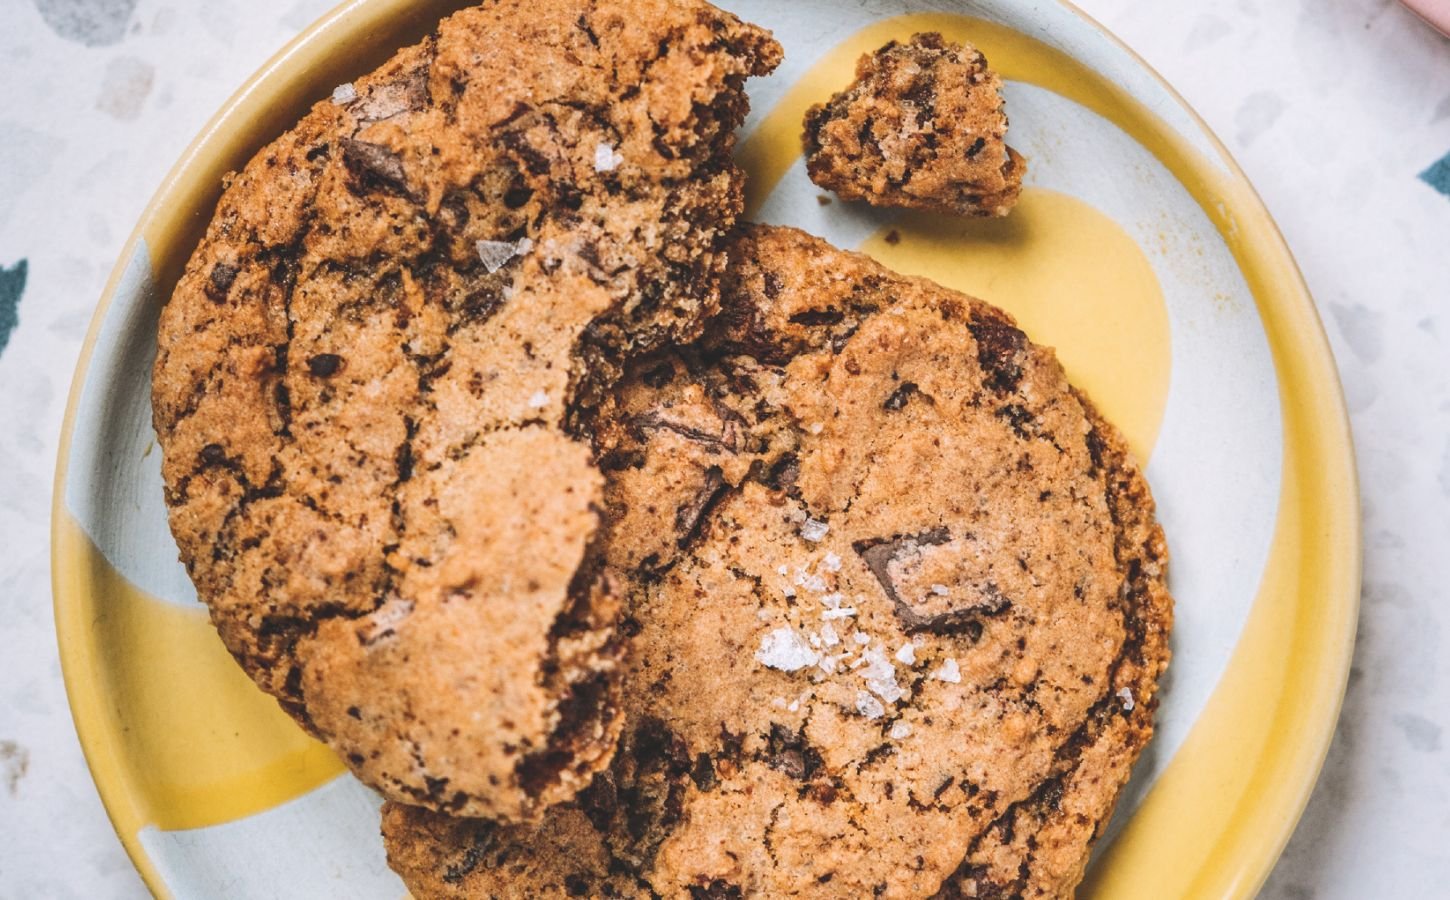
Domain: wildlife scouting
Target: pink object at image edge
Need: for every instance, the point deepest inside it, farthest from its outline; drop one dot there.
(1435, 12)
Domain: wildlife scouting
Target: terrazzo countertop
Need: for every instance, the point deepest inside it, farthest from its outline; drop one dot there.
(1339, 112)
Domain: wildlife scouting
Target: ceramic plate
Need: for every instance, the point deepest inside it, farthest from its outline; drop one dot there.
(1139, 251)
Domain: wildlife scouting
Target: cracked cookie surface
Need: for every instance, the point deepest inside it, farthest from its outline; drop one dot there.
(898, 608)
(923, 126)
(370, 375)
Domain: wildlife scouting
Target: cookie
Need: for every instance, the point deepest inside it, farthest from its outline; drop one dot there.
(923, 126)
(369, 380)
(898, 603)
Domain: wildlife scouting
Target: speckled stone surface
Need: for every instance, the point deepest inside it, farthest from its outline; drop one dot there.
(1335, 110)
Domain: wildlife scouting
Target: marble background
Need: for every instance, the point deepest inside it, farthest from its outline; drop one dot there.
(1339, 111)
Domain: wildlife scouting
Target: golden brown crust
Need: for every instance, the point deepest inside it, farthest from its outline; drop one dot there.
(368, 376)
(923, 126)
(900, 608)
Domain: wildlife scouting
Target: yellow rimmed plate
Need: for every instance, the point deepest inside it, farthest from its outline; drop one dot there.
(1139, 251)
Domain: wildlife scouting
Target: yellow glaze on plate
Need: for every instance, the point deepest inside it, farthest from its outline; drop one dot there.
(199, 742)
(154, 694)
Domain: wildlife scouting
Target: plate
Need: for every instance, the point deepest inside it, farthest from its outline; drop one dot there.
(1139, 251)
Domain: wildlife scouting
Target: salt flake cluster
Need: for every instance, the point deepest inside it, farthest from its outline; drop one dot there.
(836, 647)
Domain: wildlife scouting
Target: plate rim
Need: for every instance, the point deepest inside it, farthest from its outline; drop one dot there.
(1310, 351)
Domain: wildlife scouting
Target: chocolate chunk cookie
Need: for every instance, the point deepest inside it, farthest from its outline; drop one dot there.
(899, 603)
(370, 378)
(922, 126)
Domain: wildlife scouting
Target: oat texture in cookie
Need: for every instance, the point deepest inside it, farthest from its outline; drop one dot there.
(923, 126)
(900, 606)
(371, 378)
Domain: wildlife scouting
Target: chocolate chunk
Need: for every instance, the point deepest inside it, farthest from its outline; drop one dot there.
(219, 283)
(789, 752)
(999, 351)
(880, 553)
(690, 516)
(375, 164)
(899, 396)
(324, 365)
(703, 774)
(718, 889)
(485, 837)
(813, 318)
(728, 439)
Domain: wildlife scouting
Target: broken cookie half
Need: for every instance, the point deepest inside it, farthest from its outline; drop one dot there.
(369, 376)
(923, 126)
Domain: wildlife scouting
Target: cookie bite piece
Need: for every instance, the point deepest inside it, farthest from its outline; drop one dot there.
(900, 604)
(370, 376)
(923, 126)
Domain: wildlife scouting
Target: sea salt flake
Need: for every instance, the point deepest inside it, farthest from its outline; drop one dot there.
(949, 672)
(816, 641)
(831, 562)
(835, 615)
(817, 428)
(794, 705)
(778, 703)
(829, 636)
(496, 254)
(814, 530)
(606, 158)
(763, 615)
(861, 638)
(828, 664)
(880, 675)
(869, 706)
(344, 93)
(811, 582)
(940, 590)
(907, 653)
(539, 400)
(786, 650)
(1126, 695)
(899, 730)
(781, 570)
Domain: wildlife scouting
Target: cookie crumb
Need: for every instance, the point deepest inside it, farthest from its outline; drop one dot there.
(1126, 695)
(869, 706)
(344, 93)
(893, 237)
(786, 650)
(949, 672)
(814, 530)
(823, 200)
